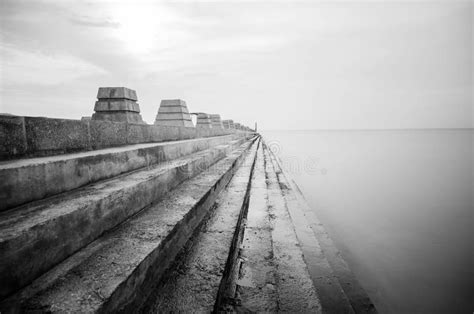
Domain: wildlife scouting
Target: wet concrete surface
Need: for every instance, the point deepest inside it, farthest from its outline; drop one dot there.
(273, 275)
(329, 291)
(337, 287)
(295, 287)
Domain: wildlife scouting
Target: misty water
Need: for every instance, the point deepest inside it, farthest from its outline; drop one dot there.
(398, 204)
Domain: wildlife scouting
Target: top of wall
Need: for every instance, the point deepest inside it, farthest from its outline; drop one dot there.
(116, 122)
(22, 137)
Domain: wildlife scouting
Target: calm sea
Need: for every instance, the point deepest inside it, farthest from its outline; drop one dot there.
(398, 204)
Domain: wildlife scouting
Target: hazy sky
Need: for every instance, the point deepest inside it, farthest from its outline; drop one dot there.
(290, 65)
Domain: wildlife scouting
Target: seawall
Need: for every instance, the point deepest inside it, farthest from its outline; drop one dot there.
(40, 136)
(109, 214)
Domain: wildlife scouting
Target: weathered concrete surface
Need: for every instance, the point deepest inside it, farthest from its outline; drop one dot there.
(296, 291)
(12, 136)
(203, 121)
(338, 289)
(116, 93)
(118, 116)
(273, 275)
(116, 271)
(36, 136)
(192, 282)
(40, 234)
(26, 180)
(256, 282)
(44, 134)
(173, 112)
(330, 293)
(116, 105)
(107, 133)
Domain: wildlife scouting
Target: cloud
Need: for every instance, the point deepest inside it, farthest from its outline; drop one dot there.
(20, 67)
(93, 22)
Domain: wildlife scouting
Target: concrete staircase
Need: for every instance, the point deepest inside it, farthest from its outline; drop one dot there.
(110, 224)
(256, 251)
(203, 225)
(338, 289)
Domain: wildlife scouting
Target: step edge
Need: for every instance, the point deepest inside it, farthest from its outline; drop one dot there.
(87, 238)
(363, 303)
(75, 172)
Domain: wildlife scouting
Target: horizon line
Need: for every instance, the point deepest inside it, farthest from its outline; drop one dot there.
(372, 129)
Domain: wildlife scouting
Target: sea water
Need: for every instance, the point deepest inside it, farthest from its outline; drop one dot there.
(399, 206)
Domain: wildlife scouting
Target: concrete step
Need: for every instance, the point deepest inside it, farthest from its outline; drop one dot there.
(330, 295)
(271, 274)
(192, 283)
(38, 235)
(116, 271)
(338, 288)
(26, 180)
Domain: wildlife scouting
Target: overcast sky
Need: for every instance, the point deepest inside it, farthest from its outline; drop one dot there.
(286, 65)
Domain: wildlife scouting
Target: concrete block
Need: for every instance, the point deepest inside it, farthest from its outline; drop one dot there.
(173, 112)
(107, 133)
(118, 116)
(169, 109)
(12, 136)
(117, 104)
(228, 124)
(205, 132)
(117, 93)
(45, 136)
(188, 133)
(138, 133)
(204, 121)
(154, 134)
(172, 116)
(167, 133)
(216, 121)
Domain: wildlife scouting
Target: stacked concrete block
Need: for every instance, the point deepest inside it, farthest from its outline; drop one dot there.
(204, 121)
(117, 104)
(173, 112)
(216, 121)
(228, 124)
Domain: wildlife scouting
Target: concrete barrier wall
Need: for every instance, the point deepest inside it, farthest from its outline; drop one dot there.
(38, 136)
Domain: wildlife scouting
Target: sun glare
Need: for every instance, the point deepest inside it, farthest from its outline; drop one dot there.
(139, 26)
